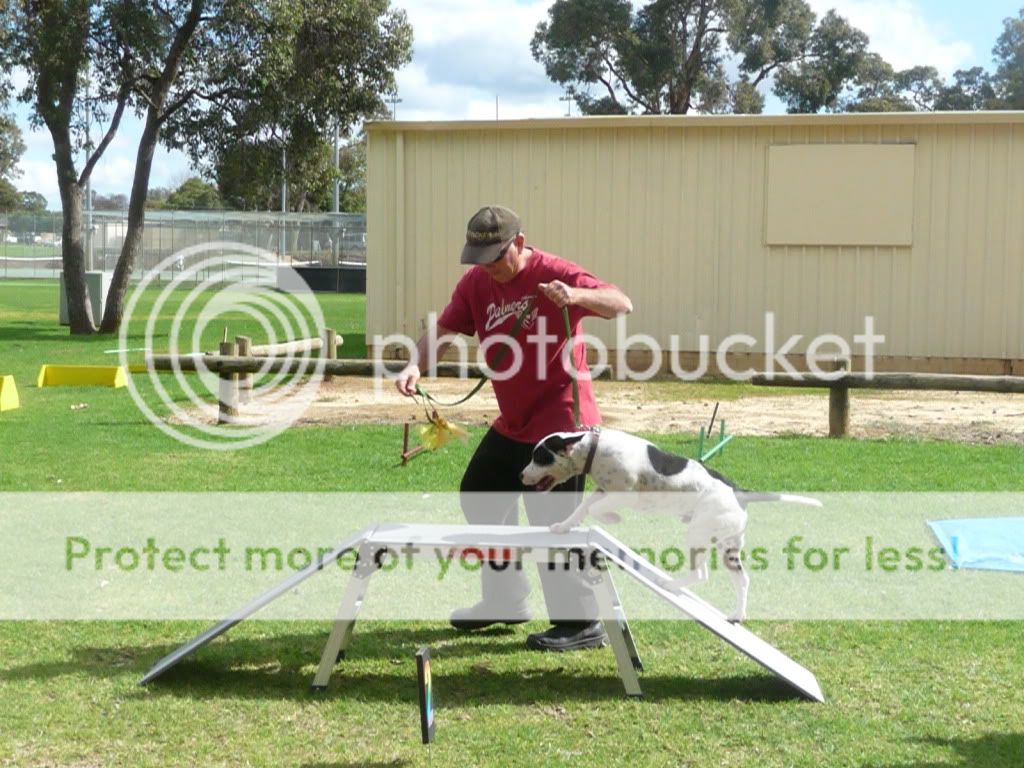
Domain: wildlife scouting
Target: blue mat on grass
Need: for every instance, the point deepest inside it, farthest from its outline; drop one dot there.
(990, 543)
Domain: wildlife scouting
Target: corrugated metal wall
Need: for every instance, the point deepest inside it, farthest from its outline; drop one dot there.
(672, 210)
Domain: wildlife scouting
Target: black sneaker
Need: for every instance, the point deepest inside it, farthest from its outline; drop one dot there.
(575, 636)
(480, 616)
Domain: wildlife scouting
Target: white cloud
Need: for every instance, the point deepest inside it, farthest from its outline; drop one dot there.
(465, 54)
(902, 33)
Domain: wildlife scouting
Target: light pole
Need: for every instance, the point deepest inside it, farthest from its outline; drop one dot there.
(394, 100)
(568, 103)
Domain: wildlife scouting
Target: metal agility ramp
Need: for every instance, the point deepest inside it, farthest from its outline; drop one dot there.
(532, 543)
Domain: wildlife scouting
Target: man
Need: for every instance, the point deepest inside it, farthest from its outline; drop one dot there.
(512, 283)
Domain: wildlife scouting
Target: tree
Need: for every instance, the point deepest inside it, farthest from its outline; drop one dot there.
(249, 176)
(196, 195)
(971, 89)
(202, 73)
(835, 54)
(116, 202)
(352, 178)
(156, 198)
(1008, 81)
(673, 56)
(10, 197)
(33, 202)
(51, 41)
(11, 147)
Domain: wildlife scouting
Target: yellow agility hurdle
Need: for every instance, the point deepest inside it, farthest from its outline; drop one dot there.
(8, 394)
(82, 376)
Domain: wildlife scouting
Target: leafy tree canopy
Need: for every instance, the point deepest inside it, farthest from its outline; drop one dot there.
(313, 66)
(33, 202)
(11, 147)
(114, 202)
(249, 175)
(10, 197)
(671, 56)
(1008, 81)
(674, 56)
(196, 195)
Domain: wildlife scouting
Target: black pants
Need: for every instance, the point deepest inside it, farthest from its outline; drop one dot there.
(490, 492)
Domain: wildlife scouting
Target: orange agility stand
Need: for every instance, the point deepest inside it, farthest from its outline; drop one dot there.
(82, 376)
(8, 394)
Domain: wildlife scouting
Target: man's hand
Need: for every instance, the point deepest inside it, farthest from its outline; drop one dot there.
(408, 379)
(558, 292)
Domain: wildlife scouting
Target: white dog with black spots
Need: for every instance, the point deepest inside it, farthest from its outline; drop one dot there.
(630, 471)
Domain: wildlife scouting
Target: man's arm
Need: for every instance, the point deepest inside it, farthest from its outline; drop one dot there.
(604, 302)
(426, 353)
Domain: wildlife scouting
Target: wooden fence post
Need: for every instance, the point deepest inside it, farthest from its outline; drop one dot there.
(839, 403)
(330, 348)
(245, 380)
(228, 393)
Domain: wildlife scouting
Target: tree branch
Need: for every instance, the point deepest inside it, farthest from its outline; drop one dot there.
(624, 82)
(115, 121)
(162, 10)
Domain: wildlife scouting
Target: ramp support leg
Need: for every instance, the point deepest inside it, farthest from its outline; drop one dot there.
(344, 624)
(615, 624)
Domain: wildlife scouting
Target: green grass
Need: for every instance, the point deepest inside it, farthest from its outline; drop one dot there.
(28, 250)
(900, 694)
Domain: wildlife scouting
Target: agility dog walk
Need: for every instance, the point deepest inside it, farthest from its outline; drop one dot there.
(632, 472)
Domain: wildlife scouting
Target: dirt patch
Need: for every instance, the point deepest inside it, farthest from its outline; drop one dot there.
(961, 416)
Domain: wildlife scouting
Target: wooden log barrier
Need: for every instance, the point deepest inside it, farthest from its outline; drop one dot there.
(296, 347)
(905, 381)
(236, 364)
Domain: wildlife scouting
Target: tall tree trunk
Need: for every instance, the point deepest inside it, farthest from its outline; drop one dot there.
(132, 246)
(72, 246)
(155, 115)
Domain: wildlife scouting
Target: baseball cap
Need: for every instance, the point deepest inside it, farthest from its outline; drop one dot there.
(490, 228)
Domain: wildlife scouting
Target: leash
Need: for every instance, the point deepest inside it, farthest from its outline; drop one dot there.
(575, 371)
(429, 399)
(517, 326)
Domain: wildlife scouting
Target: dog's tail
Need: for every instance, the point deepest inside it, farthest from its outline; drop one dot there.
(746, 497)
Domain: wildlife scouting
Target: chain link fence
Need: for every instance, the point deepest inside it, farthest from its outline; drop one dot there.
(30, 244)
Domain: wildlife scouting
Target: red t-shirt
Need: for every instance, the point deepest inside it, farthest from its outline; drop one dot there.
(536, 400)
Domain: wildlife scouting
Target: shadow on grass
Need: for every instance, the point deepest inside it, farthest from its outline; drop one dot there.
(358, 764)
(16, 330)
(993, 750)
(380, 667)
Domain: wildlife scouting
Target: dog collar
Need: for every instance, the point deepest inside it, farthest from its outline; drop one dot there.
(596, 432)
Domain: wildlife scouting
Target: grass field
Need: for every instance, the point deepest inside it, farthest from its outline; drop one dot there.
(899, 694)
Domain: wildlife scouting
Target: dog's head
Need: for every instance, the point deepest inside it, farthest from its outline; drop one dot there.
(556, 458)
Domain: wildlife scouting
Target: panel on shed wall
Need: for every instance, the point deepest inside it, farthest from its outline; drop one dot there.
(840, 194)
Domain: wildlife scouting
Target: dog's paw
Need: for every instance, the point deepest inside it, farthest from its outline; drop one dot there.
(560, 528)
(735, 618)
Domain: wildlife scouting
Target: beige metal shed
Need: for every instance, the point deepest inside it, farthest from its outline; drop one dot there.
(710, 222)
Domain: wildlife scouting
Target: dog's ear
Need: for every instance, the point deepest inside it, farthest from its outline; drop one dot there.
(560, 444)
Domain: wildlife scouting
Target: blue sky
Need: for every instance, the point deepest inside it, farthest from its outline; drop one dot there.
(467, 53)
